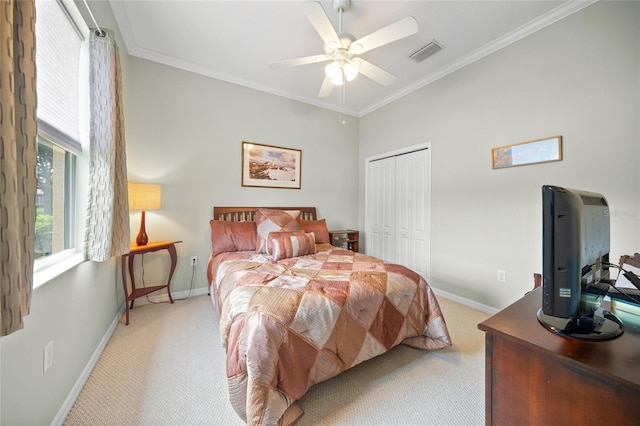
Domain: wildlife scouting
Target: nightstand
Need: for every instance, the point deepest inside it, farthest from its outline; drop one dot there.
(346, 238)
(170, 246)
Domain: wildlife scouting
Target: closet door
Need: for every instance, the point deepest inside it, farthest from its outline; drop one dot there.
(381, 210)
(412, 211)
(398, 208)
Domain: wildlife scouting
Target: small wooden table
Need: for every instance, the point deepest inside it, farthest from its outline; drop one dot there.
(535, 377)
(170, 246)
(346, 238)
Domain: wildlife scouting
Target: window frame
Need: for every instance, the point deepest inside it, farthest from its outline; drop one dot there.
(49, 267)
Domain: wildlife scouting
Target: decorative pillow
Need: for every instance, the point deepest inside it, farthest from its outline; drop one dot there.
(232, 236)
(318, 227)
(272, 220)
(287, 246)
(273, 235)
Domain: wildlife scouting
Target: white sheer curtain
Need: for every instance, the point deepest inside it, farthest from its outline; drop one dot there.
(18, 139)
(107, 226)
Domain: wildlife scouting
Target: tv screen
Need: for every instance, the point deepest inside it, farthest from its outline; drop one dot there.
(575, 254)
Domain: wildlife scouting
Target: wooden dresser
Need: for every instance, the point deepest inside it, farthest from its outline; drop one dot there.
(535, 377)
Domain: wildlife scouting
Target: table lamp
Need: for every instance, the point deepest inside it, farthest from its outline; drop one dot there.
(144, 196)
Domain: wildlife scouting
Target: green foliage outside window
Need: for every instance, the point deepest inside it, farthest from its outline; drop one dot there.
(44, 233)
(44, 196)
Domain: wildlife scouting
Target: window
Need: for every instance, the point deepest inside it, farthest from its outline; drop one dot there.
(55, 170)
(62, 87)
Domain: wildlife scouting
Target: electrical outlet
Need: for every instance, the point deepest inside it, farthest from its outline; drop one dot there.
(502, 276)
(48, 356)
(194, 260)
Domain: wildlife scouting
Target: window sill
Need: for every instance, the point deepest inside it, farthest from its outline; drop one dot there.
(52, 268)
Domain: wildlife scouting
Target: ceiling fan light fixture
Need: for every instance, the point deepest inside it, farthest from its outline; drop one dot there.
(340, 47)
(350, 70)
(334, 72)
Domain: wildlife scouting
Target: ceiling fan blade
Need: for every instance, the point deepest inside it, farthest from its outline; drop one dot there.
(326, 88)
(401, 29)
(375, 73)
(298, 61)
(318, 18)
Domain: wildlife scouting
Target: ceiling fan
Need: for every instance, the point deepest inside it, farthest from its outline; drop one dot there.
(343, 49)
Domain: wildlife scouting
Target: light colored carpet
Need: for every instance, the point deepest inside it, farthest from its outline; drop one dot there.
(168, 368)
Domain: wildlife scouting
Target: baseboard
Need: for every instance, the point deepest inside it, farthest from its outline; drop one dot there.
(466, 302)
(84, 376)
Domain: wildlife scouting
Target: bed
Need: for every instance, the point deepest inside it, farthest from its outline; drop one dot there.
(295, 310)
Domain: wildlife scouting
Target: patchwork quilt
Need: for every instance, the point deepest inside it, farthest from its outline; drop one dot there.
(289, 324)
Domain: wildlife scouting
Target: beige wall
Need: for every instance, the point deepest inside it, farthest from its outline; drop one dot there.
(578, 78)
(74, 311)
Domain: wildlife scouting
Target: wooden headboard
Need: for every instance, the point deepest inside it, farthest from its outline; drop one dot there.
(237, 214)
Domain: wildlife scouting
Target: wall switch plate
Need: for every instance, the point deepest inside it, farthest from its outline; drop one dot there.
(48, 356)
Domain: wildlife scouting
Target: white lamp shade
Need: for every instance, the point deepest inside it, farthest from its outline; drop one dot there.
(337, 81)
(351, 70)
(334, 72)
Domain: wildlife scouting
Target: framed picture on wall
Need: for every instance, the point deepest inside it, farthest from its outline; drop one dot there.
(531, 152)
(270, 166)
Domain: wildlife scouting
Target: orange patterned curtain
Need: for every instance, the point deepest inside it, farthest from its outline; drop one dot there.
(18, 141)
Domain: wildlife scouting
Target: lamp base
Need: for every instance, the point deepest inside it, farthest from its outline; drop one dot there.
(142, 239)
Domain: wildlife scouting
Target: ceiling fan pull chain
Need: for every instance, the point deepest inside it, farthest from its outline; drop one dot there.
(343, 92)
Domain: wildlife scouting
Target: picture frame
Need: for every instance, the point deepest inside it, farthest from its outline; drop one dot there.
(271, 166)
(537, 151)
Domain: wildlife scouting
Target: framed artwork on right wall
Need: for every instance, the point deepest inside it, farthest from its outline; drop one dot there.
(531, 152)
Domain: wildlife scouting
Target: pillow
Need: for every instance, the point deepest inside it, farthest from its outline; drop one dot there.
(273, 235)
(232, 236)
(272, 220)
(287, 246)
(318, 227)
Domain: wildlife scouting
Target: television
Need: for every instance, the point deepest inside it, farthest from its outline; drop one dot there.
(575, 258)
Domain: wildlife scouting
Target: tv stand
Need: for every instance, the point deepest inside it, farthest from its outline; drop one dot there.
(536, 377)
(602, 325)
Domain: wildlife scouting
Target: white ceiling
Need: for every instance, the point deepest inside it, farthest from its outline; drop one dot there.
(236, 40)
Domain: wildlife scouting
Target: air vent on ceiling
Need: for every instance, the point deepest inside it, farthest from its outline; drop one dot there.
(426, 51)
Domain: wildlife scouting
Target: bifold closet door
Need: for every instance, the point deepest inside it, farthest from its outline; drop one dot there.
(398, 209)
(412, 210)
(381, 189)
